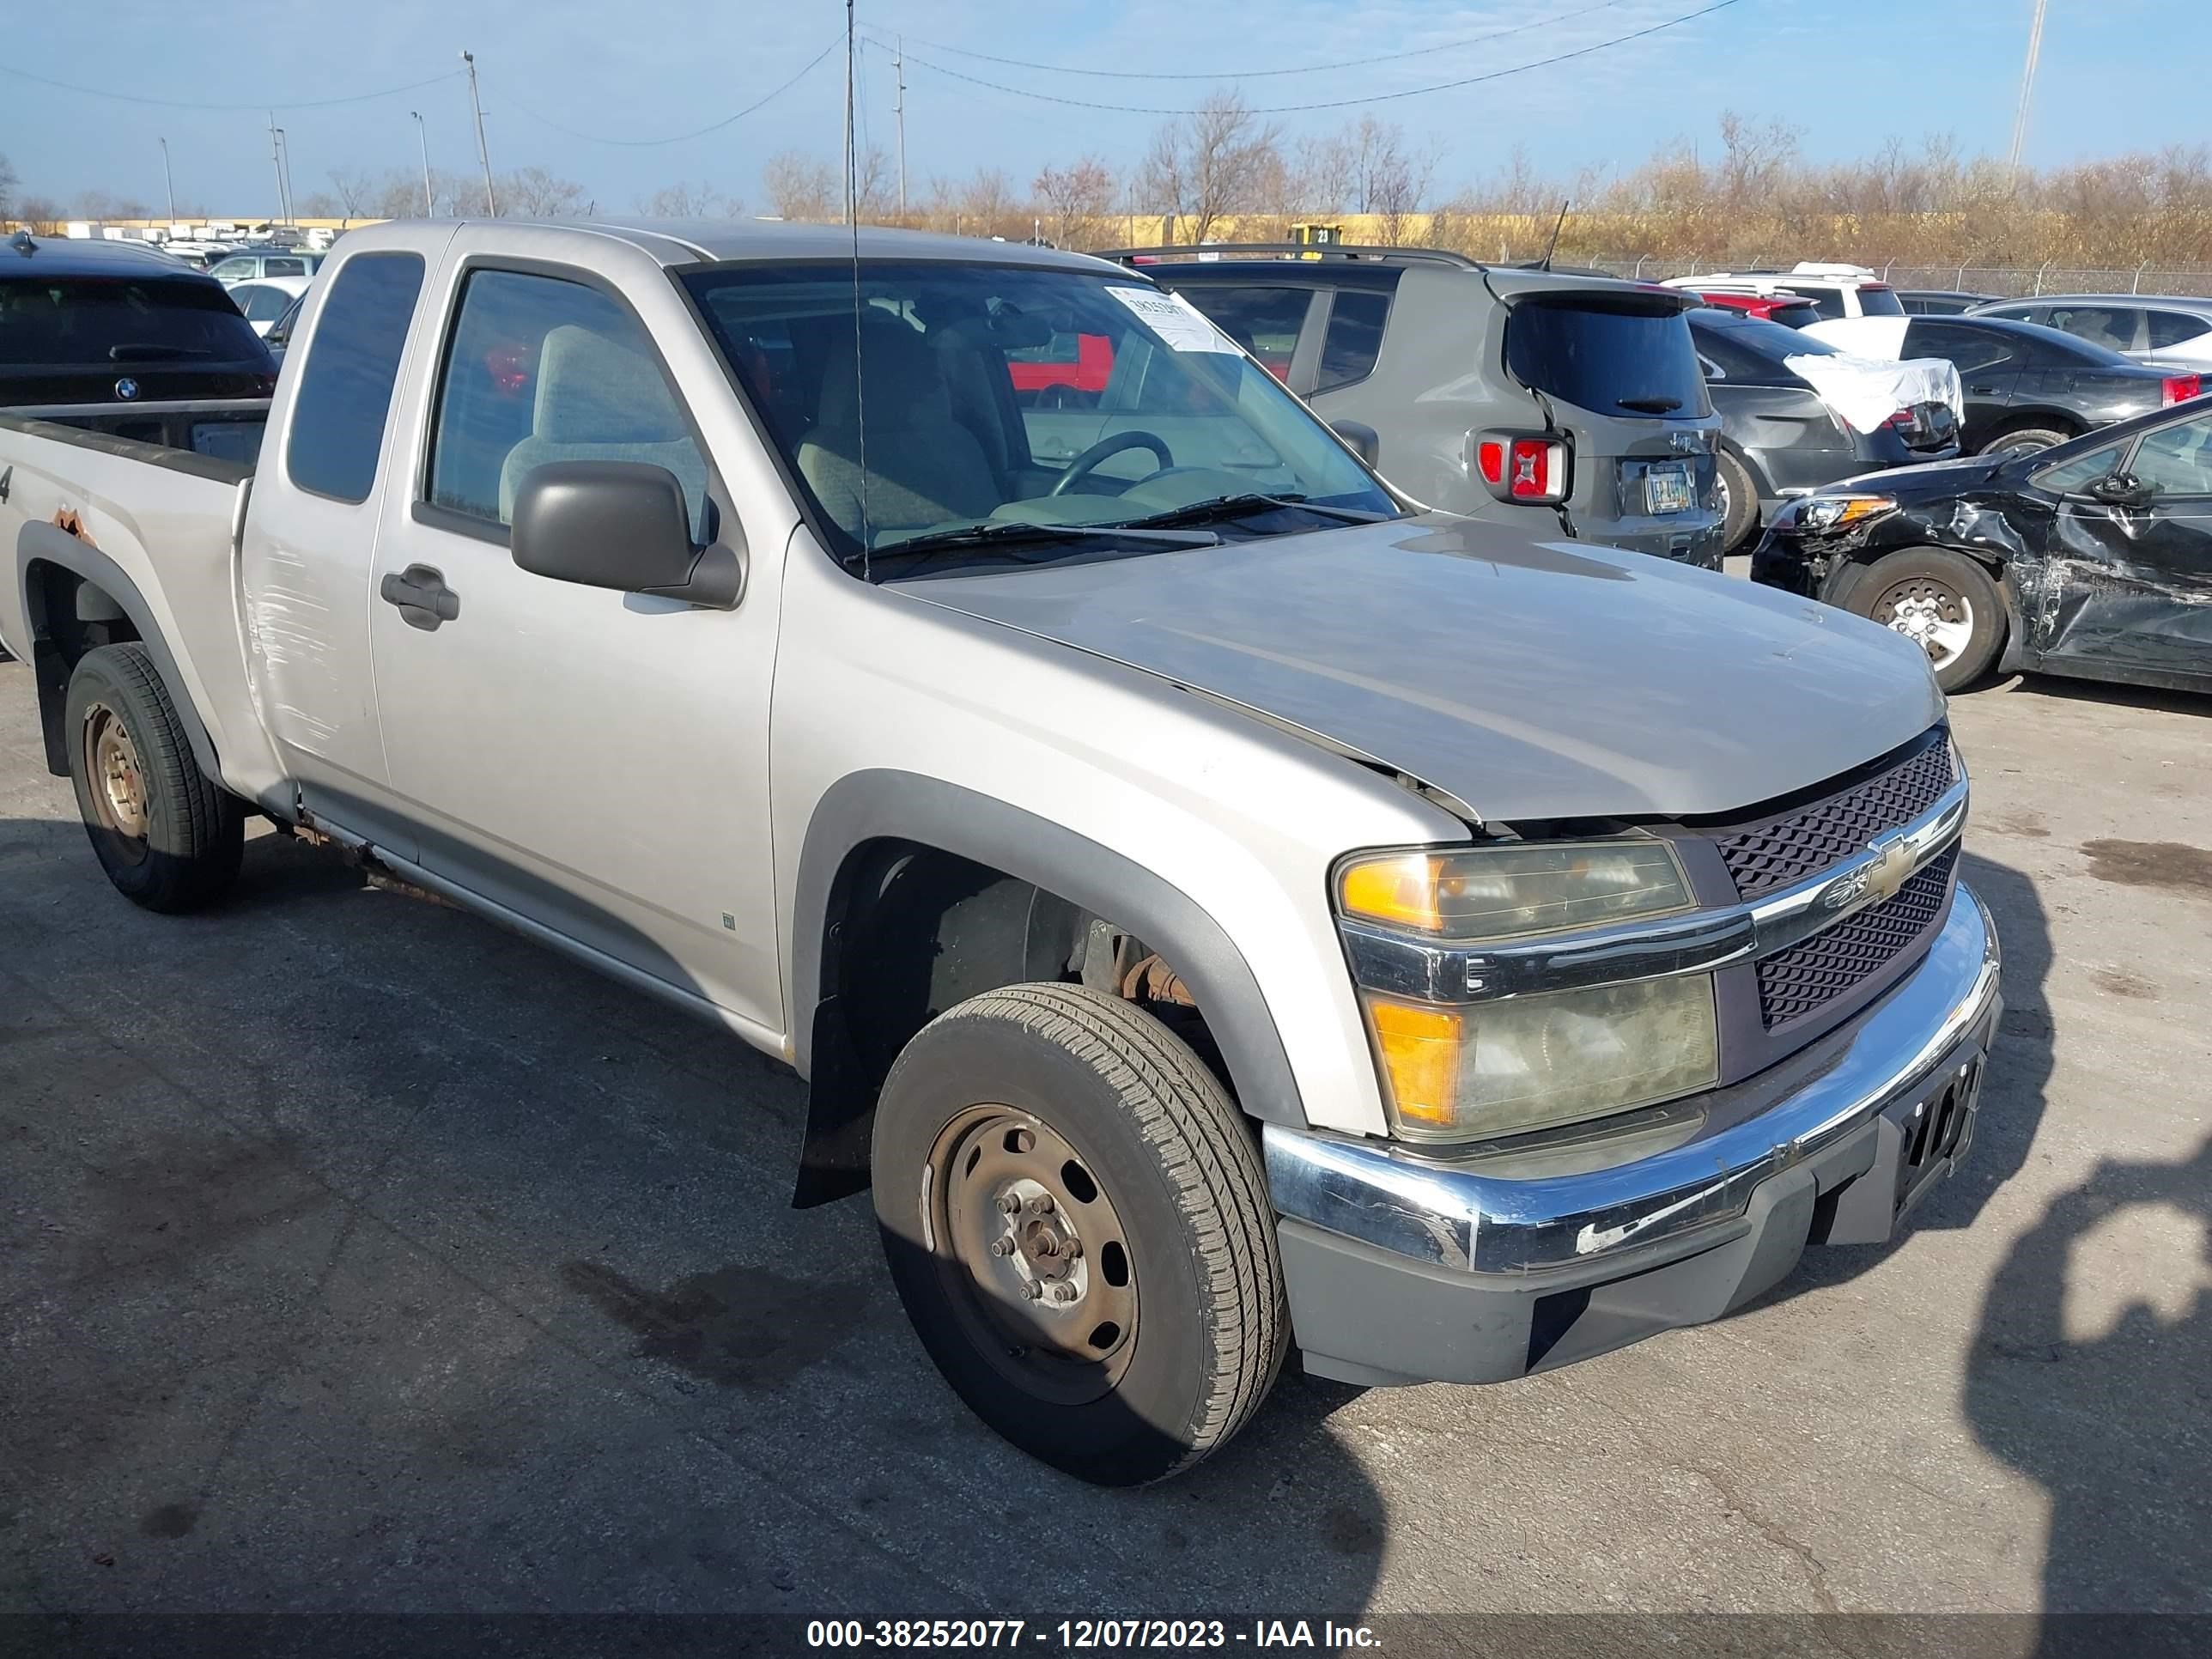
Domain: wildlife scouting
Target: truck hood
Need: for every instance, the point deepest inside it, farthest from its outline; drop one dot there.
(1527, 679)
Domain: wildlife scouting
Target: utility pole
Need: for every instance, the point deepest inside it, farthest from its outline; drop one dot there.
(898, 60)
(284, 166)
(168, 183)
(423, 138)
(484, 154)
(2026, 87)
(277, 162)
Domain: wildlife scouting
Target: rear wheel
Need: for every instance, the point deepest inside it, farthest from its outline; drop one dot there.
(1943, 602)
(1076, 1219)
(2025, 441)
(1738, 502)
(168, 837)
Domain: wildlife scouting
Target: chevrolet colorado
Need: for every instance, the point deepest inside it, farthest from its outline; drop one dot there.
(1216, 905)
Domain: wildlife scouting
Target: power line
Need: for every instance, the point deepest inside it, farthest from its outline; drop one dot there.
(263, 104)
(1256, 74)
(812, 64)
(1336, 103)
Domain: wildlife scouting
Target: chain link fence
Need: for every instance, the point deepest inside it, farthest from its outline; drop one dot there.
(1999, 282)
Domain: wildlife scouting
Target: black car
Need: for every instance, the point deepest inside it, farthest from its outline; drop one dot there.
(1778, 438)
(125, 340)
(2028, 387)
(1939, 301)
(2093, 558)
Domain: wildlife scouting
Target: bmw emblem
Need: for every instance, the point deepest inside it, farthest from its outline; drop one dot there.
(126, 388)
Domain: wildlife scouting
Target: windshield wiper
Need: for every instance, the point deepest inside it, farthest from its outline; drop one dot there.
(151, 354)
(1650, 405)
(1014, 531)
(1231, 507)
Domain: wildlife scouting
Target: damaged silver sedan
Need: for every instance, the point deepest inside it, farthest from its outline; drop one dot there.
(2092, 558)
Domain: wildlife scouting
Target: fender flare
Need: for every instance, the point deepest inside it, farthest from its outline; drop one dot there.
(46, 544)
(893, 806)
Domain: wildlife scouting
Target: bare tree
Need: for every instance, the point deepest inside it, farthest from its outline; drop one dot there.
(683, 200)
(321, 205)
(986, 205)
(1211, 164)
(1079, 195)
(8, 183)
(801, 187)
(99, 205)
(1756, 157)
(533, 193)
(354, 188)
(42, 213)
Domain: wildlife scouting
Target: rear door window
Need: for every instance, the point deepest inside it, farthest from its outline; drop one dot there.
(1265, 321)
(107, 320)
(1795, 316)
(283, 267)
(1611, 358)
(1971, 350)
(1828, 302)
(1354, 339)
(1879, 302)
(345, 391)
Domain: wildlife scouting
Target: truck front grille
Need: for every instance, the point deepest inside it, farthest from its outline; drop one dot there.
(1804, 977)
(1798, 844)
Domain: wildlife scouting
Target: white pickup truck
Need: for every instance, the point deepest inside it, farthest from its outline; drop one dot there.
(1218, 905)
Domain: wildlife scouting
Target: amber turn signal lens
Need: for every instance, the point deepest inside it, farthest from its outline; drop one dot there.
(1420, 1047)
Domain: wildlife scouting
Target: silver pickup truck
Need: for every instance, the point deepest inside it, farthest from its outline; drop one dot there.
(1218, 904)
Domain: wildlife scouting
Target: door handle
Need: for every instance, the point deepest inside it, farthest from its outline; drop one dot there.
(421, 593)
(1981, 391)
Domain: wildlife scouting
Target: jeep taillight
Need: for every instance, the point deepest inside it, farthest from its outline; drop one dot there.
(1530, 468)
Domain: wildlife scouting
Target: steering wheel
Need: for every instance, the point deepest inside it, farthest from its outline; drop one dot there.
(1087, 463)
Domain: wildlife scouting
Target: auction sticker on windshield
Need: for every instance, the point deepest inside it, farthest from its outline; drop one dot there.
(1173, 318)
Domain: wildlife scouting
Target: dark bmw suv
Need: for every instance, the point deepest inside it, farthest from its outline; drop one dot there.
(125, 340)
(1567, 403)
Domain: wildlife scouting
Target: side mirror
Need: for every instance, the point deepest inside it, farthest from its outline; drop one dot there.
(620, 525)
(2122, 489)
(1362, 439)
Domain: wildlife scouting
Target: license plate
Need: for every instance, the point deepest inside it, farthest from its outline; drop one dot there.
(1667, 487)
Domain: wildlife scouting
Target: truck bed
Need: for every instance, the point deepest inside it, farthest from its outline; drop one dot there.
(152, 531)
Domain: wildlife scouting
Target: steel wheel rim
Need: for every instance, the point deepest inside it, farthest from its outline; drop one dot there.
(1034, 1254)
(1932, 614)
(117, 780)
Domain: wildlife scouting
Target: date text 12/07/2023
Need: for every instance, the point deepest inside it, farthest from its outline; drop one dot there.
(1087, 1634)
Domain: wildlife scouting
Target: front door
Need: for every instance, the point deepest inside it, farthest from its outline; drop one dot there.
(2145, 606)
(590, 760)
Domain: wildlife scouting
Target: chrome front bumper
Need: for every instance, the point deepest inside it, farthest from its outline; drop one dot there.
(1662, 1184)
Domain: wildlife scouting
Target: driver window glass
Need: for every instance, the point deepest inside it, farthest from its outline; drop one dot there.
(2176, 460)
(2074, 477)
(536, 370)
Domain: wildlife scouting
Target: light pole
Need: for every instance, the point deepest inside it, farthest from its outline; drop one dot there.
(484, 154)
(168, 183)
(423, 138)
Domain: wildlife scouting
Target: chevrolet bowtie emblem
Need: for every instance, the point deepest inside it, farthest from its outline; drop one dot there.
(1876, 880)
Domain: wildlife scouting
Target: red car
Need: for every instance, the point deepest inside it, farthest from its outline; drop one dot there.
(1080, 363)
(1790, 310)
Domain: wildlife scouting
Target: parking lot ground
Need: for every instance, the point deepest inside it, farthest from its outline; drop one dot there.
(356, 1254)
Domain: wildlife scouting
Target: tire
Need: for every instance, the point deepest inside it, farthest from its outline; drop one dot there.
(1942, 600)
(1739, 504)
(1130, 1379)
(2025, 440)
(168, 836)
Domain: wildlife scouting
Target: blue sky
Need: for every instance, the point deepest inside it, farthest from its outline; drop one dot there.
(1850, 72)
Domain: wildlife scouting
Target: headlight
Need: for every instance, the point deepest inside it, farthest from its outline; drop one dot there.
(1496, 1068)
(1818, 515)
(1516, 891)
(1457, 1071)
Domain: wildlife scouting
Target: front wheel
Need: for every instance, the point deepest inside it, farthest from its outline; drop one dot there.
(1077, 1221)
(1941, 600)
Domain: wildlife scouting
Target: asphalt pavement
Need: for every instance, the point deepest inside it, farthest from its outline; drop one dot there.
(357, 1254)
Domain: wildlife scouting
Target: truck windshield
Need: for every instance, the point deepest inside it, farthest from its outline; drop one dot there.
(945, 396)
(1618, 359)
(78, 320)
